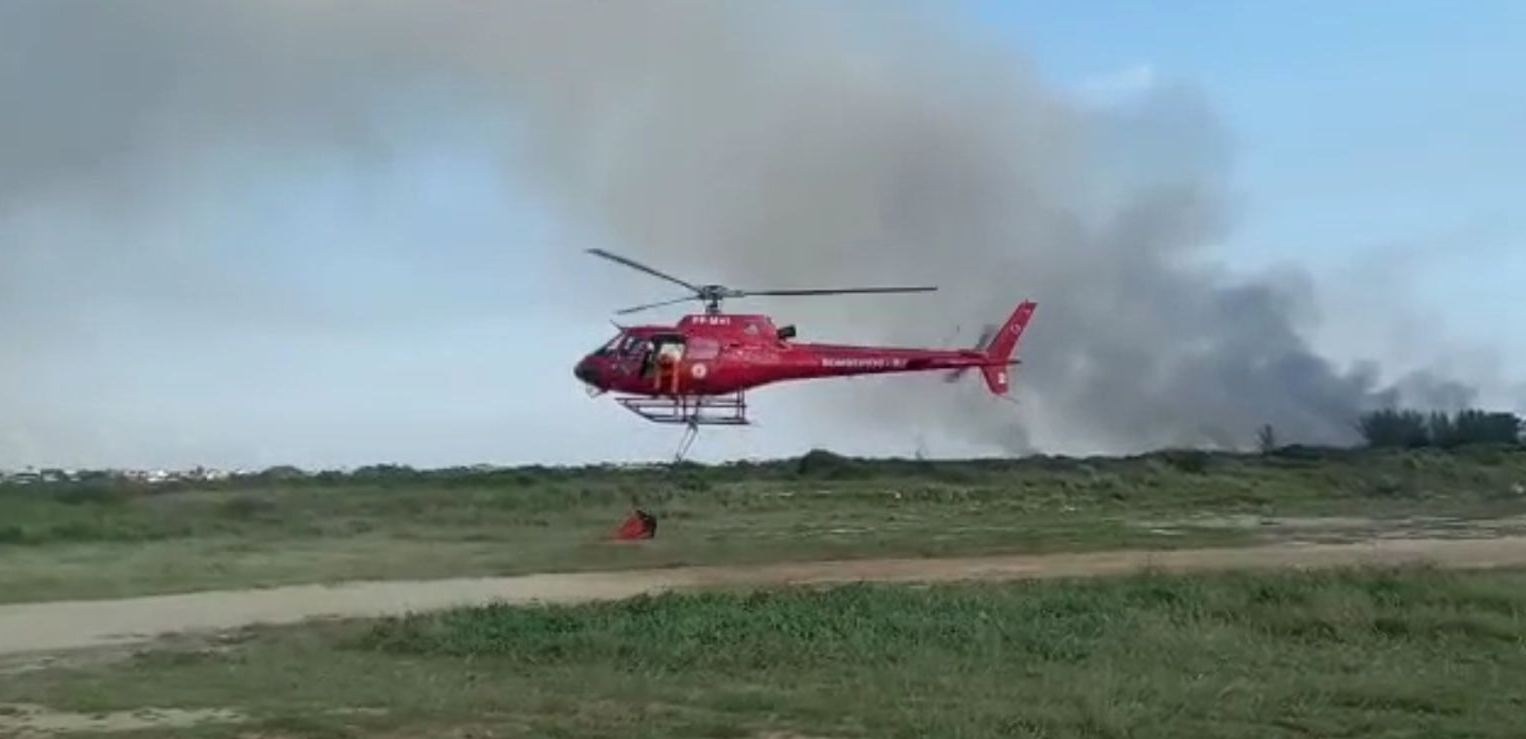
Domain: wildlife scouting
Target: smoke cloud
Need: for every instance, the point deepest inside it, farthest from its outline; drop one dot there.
(765, 145)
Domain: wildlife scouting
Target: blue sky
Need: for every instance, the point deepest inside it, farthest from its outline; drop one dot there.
(1363, 132)
(1368, 139)
(1355, 124)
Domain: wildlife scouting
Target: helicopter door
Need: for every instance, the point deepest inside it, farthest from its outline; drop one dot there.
(662, 351)
(662, 358)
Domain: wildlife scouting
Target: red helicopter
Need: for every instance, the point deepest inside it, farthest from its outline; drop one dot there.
(698, 372)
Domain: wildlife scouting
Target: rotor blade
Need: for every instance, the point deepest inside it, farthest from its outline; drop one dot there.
(649, 306)
(837, 291)
(985, 336)
(639, 266)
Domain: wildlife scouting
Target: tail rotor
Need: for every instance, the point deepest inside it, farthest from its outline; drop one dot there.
(998, 346)
(980, 345)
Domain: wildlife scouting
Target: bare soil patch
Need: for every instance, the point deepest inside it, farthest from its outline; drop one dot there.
(25, 721)
(53, 626)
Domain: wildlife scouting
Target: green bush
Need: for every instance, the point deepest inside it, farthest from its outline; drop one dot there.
(822, 463)
(1190, 461)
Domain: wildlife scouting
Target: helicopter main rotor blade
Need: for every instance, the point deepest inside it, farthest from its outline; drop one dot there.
(649, 306)
(838, 291)
(633, 264)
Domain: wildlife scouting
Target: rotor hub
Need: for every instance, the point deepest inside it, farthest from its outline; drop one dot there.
(712, 295)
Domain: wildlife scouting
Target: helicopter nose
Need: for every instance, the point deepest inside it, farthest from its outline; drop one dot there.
(586, 371)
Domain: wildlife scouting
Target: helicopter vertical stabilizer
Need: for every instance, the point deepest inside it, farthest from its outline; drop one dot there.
(1001, 347)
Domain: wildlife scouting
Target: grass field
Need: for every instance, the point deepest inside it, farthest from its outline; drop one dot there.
(110, 539)
(1392, 653)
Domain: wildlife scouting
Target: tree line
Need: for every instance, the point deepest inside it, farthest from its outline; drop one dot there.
(1411, 429)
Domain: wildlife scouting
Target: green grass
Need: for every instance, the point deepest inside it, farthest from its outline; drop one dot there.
(101, 539)
(1381, 653)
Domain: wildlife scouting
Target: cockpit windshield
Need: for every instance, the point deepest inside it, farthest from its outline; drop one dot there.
(621, 345)
(609, 347)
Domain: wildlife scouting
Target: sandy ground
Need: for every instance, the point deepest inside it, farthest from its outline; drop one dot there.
(54, 626)
(37, 721)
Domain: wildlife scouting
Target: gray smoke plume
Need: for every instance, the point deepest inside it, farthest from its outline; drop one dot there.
(768, 145)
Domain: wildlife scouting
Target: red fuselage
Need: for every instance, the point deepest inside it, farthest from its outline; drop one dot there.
(711, 355)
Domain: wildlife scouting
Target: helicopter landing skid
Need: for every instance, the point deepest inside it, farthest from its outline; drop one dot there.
(690, 410)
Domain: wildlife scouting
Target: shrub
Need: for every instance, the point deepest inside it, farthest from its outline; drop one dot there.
(822, 463)
(1191, 461)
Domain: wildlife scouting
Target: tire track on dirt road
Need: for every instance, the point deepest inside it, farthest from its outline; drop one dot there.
(62, 625)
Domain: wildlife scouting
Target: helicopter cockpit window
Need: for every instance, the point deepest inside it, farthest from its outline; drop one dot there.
(622, 345)
(609, 346)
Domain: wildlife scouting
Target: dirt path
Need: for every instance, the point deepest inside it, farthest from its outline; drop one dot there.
(74, 624)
